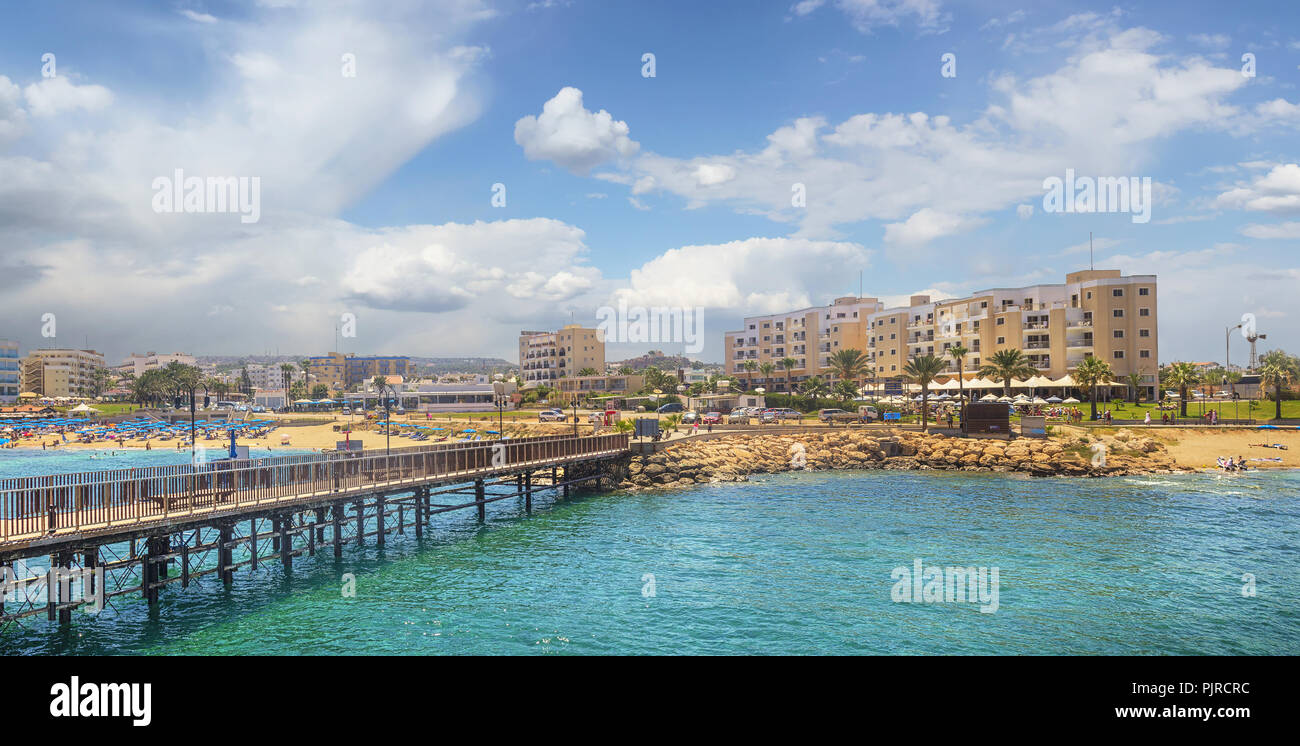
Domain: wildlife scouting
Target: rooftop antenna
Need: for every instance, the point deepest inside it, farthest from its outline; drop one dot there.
(859, 283)
(1090, 250)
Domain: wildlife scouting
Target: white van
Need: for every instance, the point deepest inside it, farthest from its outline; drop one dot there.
(868, 413)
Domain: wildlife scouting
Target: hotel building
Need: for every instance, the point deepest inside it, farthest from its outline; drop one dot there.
(1093, 313)
(137, 364)
(57, 372)
(342, 372)
(9, 371)
(546, 357)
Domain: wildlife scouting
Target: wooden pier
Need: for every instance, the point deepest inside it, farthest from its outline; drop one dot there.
(183, 522)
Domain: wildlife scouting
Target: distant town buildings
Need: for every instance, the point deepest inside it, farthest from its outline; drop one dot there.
(60, 372)
(342, 372)
(137, 365)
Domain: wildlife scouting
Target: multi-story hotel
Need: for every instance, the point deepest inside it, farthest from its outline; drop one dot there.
(9, 371)
(137, 364)
(546, 357)
(341, 372)
(1094, 312)
(51, 372)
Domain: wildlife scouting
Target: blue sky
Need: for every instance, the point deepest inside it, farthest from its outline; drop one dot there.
(666, 191)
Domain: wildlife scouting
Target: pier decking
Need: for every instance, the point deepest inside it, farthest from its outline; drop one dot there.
(181, 514)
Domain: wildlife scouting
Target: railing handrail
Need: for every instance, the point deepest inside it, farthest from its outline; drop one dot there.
(37, 504)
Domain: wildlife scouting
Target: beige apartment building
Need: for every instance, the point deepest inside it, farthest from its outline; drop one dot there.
(56, 372)
(137, 364)
(546, 357)
(1094, 312)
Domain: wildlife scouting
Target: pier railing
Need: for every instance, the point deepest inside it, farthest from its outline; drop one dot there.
(35, 506)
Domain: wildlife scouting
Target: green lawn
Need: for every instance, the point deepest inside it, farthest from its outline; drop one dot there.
(1263, 410)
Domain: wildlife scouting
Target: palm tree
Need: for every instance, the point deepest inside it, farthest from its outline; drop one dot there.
(1184, 376)
(813, 388)
(845, 390)
(587, 372)
(1092, 372)
(922, 370)
(849, 365)
(958, 353)
(750, 366)
(1005, 365)
(626, 370)
(1134, 381)
(789, 364)
(1233, 378)
(1278, 369)
(766, 369)
(286, 374)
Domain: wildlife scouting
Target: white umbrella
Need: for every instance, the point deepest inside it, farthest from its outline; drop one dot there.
(1071, 400)
(1039, 400)
(988, 397)
(944, 395)
(1004, 399)
(1053, 400)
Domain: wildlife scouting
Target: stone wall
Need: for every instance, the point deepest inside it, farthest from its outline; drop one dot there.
(734, 459)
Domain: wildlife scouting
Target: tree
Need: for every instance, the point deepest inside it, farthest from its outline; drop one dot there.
(626, 370)
(789, 364)
(1091, 373)
(286, 375)
(850, 365)
(813, 388)
(1004, 365)
(1234, 378)
(750, 366)
(845, 390)
(1279, 370)
(1183, 376)
(922, 370)
(766, 369)
(1134, 381)
(587, 372)
(958, 353)
(320, 391)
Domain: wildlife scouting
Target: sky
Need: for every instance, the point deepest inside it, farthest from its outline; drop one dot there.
(430, 178)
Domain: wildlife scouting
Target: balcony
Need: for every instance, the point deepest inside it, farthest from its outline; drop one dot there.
(1038, 346)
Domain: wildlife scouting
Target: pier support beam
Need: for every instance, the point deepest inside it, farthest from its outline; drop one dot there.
(380, 507)
(478, 500)
(225, 554)
(336, 517)
(320, 526)
(567, 469)
(361, 522)
(286, 543)
(419, 513)
(252, 541)
(528, 492)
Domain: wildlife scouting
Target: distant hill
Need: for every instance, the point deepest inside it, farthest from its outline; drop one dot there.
(440, 366)
(659, 360)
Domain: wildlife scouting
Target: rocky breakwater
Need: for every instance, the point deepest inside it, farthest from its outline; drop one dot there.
(735, 459)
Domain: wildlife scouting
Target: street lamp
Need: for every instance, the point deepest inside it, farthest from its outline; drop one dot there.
(760, 391)
(499, 397)
(657, 392)
(575, 416)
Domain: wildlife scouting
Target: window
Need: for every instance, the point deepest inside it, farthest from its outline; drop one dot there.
(1117, 292)
(984, 304)
(1144, 332)
(1119, 354)
(1002, 340)
(1144, 312)
(1088, 295)
(1144, 353)
(1002, 320)
(1144, 291)
(1118, 333)
(1117, 313)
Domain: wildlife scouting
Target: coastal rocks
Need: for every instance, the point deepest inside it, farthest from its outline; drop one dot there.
(735, 459)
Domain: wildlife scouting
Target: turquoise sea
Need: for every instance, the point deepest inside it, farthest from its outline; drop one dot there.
(786, 564)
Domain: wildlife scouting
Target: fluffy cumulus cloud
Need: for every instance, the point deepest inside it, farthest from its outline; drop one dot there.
(925, 177)
(1278, 191)
(57, 95)
(570, 135)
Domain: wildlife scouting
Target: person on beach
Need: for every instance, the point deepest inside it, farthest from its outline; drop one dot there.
(1147, 421)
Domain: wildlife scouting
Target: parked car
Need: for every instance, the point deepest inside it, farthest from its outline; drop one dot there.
(777, 414)
(689, 418)
(711, 418)
(552, 415)
(670, 408)
(837, 415)
(740, 415)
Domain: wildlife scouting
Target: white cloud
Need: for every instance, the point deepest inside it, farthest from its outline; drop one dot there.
(866, 15)
(1276, 191)
(57, 95)
(571, 136)
(927, 224)
(709, 174)
(1024, 212)
(198, 17)
(1275, 230)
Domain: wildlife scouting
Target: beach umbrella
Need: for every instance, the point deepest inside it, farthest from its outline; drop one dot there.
(1053, 400)
(1071, 400)
(1039, 400)
(1005, 399)
(989, 397)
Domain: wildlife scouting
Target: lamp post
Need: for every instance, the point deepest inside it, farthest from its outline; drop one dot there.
(760, 391)
(657, 392)
(1227, 360)
(499, 395)
(575, 416)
